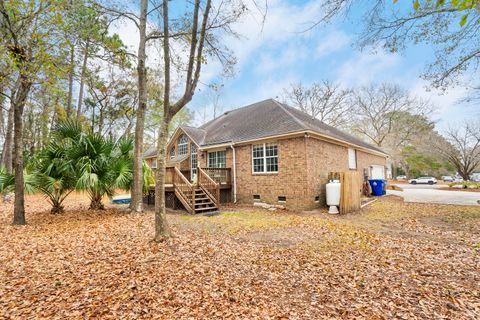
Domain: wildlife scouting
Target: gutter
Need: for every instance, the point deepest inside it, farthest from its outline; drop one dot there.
(301, 133)
(234, 175)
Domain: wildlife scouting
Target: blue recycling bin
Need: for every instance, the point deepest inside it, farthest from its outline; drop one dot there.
(378, 187)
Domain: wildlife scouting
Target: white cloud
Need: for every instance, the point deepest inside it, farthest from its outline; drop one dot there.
(332, 42)
(282, 24)
(448, 106)
(365, 67)
(280, 59)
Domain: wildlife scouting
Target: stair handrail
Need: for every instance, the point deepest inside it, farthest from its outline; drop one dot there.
(206, 185)
(191, 200)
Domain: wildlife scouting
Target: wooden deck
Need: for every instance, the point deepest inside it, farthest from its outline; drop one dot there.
(212, 187)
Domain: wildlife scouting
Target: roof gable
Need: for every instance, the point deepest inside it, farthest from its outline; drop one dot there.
(264, 119)
(258, 120)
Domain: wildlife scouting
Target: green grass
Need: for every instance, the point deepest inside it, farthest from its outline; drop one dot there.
(248, 221)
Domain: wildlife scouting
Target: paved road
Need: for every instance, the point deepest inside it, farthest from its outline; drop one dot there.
(431, 194)
(421, 186)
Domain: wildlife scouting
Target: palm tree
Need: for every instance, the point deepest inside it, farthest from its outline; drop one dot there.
(79, 160)
(49, 172)
(103, 165)
(56, 175)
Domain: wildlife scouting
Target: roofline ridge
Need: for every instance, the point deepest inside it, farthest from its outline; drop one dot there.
(234, 110)
(290, 114)
(188, 126)
(330, 128)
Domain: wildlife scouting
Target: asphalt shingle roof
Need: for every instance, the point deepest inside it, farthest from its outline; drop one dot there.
(268, 118)
(261, 120)
(152, 151)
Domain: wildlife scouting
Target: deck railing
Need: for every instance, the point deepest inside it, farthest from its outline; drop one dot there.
(220, 175)
(184, 190)
(210, 186)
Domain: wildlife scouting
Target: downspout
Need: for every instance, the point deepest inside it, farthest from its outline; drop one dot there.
(234, 176)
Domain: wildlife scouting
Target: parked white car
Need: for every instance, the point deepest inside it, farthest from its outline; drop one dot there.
(423, 180)
(401, 178)
(448, 178)
(475, 177)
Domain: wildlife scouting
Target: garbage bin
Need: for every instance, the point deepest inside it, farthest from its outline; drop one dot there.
(377, 186)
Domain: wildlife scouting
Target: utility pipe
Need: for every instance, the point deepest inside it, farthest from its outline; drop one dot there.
(234, 176)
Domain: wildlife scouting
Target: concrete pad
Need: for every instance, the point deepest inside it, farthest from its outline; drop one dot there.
(431, 195)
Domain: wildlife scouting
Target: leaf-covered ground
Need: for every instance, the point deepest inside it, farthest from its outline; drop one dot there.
(392, 260)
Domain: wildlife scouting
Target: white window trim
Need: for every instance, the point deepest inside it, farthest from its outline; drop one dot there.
(154, 163)
(264, 159)
(216, 158)
(354, 167)
(182, 145)
(192, 153)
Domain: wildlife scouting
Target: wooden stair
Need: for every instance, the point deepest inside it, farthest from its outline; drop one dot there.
(202, 198)
(203, 203)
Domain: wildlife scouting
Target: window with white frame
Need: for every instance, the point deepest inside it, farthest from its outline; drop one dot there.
(217, 159)
(182, 145)
(154, 163)
(172, 153)
(194, 159)
(352, 158)
(265, 158)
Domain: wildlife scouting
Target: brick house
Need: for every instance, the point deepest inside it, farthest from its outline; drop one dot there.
(266, 152)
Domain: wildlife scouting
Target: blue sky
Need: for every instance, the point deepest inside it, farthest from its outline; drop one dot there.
(275, 54)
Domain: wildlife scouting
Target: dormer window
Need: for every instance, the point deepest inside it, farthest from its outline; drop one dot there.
(182, 145)
(172, 153)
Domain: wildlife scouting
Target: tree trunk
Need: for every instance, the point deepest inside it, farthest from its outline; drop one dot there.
(100, 121)
(70, 81)
(2, 114)
(8, 144)
(19, 105)
(137, 192)
(57, 208)
(394, 169)
(96, 203)
(161, 226)
(82, 81)
(464, 174)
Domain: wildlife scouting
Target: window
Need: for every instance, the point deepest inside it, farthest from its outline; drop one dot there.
(154, 163)
(352, 158)
(265, 158)
(282, 199)
(217, 159)
(194, 159)
(182, 145)
(172, 153)
(256, 197)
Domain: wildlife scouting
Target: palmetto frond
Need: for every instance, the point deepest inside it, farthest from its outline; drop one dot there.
(69, 129)
(147, 176)
(7, 181)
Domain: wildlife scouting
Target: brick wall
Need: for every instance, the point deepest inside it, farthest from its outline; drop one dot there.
(290, 181)
(323, 157)
(365, 160)
(304, 164)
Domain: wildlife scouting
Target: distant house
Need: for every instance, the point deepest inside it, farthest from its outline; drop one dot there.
(267, 152)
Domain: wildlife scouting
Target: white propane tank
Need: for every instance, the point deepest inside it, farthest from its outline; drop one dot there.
(333, 196)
